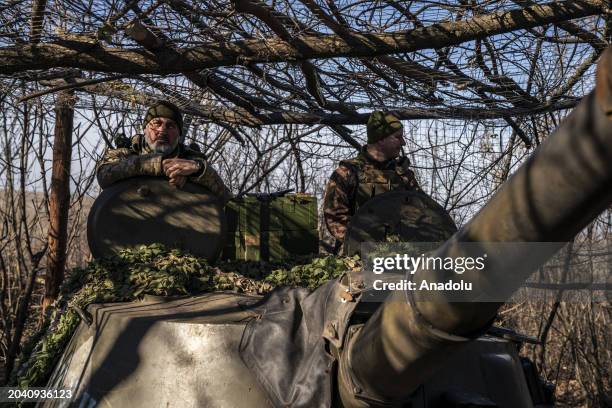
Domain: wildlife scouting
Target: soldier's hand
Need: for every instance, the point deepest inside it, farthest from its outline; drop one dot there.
(180, 167)
(178, 181)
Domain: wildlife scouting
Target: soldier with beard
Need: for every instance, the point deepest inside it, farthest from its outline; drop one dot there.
(160, 152)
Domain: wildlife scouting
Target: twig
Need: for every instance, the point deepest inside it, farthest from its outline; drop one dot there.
(73, 85)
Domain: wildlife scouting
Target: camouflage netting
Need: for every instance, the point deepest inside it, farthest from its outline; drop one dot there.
(156, 270)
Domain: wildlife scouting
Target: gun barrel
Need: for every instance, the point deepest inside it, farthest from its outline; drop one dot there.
(562, 187)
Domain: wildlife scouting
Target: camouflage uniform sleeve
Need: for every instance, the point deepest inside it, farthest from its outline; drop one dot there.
(412, 181)
(408, 176)
(119, 164)
(338, 201)
(211, 180)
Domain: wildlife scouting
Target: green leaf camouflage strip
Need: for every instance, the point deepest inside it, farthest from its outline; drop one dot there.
(156, 270)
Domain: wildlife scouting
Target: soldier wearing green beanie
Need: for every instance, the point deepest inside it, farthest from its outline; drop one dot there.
(377, 169)
(159, 151)
(164, 109)
(380, 125)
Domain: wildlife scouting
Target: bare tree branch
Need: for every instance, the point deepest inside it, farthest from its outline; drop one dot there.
(91, 56)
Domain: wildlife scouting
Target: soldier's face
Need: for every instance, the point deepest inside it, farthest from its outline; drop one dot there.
(391, 146)
(162, 135)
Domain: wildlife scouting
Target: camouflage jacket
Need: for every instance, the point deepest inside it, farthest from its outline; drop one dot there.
(138, 160)
(356, 181)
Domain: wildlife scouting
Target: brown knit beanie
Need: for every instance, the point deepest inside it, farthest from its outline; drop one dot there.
(164, 109)
(381, 125)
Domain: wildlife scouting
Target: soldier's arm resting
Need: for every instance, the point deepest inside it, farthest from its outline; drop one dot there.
(338, 201)
(119, 164)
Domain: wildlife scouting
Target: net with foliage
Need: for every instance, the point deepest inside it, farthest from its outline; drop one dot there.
(156, 270)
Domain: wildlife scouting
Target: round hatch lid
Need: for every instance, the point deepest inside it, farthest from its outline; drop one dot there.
(398, 216)
(146, 210)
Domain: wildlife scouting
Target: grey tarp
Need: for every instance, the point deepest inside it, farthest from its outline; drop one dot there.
(287, 347)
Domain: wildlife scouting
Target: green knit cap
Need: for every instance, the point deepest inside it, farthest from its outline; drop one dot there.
(164, 109)
(381, 125)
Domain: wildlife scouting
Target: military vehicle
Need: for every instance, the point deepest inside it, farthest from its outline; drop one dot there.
(296, 348)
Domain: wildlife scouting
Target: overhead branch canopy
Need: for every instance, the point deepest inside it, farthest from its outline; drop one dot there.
(252, 63)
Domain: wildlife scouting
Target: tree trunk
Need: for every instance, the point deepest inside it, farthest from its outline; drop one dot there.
(59, 198)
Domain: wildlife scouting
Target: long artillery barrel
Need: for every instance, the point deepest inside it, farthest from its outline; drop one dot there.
(562, 187)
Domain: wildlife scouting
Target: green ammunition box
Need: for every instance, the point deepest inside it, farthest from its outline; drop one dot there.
(271, 228)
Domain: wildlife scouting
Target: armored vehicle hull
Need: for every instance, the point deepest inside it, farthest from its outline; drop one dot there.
(156, 353)
(185, 353)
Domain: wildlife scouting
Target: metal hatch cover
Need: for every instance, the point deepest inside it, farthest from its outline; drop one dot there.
(161, 353)
(398, 216)
(146, 210)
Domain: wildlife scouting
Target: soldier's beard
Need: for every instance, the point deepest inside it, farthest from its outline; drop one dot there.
(162, 146)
